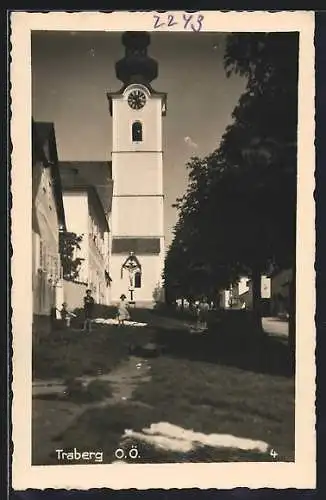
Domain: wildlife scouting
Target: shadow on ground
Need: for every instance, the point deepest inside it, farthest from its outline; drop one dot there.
(231, 340)
(254, 352)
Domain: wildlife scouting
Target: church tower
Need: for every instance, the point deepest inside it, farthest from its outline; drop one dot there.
(137, 221)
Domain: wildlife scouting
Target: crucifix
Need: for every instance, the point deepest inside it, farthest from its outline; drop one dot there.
(131, 270)
(131, 266)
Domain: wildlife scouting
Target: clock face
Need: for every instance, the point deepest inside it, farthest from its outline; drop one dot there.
(137, 99)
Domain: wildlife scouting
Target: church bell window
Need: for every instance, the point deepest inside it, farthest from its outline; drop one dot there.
(137, 132)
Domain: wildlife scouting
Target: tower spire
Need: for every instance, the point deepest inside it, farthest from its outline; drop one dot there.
(136, 66)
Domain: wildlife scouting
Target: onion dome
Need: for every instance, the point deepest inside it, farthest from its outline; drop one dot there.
(136, 66)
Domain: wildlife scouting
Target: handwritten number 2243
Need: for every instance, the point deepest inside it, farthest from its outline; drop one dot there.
(186, 19)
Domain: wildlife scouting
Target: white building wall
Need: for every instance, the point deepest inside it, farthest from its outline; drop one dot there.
(152, 268)
(98, 253)
(76, 214)
(45, 242)
(242, 285)
(96, 273)
(265, 287)
(140, 173)
(81, 218)
(46, 209)
(137, 216)
(123, 117)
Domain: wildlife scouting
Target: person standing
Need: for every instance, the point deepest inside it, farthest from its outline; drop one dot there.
(203, 309)
(88, 310)
(196, 312)
(66, 315)
(123, 313)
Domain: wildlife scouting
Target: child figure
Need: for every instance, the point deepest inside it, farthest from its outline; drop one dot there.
(123, 313)
(66, 315)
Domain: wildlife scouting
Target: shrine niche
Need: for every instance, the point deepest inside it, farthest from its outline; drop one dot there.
(137, 279)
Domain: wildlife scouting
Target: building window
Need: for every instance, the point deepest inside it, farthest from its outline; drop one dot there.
(43, 256)
(137, 132)
(138, 279)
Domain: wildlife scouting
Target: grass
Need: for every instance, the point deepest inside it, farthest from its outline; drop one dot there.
(215, 398)
(215, 383)
(200, 396)
(96, 390)
(173, 312)
(76, 392)
(69, 353)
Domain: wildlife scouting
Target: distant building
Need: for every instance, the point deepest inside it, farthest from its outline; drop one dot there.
(241, 293)
(280, 292)
(225, 299)
(47, 219)
(87, 198)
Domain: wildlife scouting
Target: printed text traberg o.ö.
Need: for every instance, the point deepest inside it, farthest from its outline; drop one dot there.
(87, 456)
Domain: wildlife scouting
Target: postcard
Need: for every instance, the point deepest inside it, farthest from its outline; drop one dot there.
(163, 242)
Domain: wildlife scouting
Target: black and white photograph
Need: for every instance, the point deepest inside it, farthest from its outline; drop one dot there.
(170, 282)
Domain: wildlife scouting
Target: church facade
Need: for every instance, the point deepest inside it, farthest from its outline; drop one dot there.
(137, 247)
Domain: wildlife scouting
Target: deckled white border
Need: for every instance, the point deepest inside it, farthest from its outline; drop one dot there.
(300, 474)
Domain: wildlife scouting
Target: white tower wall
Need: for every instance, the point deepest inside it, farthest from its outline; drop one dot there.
(138, 202)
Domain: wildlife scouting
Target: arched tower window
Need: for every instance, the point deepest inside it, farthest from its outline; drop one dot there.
(138, 279)
(137, 132)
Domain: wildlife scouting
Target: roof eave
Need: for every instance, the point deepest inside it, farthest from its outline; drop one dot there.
(52, 163)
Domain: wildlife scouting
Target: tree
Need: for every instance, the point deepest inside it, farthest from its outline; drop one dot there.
(239, 211)
(196, 263)
(265, 129)
(68, 244)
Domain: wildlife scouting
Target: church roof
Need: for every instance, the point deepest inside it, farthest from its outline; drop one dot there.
(96, 175)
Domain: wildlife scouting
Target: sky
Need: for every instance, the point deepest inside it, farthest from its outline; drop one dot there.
(72, 71)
